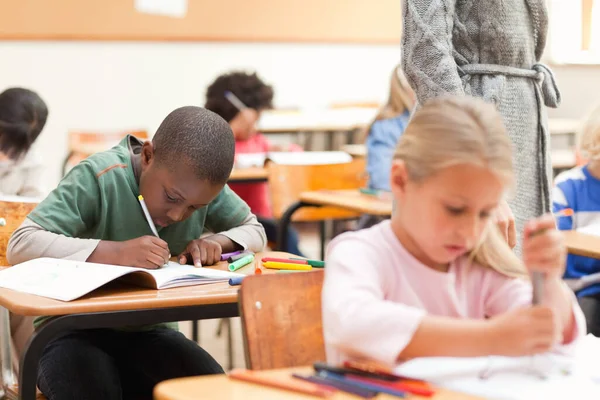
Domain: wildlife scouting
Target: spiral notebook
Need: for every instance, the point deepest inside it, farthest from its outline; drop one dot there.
(68, 280)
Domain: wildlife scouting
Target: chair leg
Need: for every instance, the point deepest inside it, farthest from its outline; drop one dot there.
(225, 324)
(195, 333)
(8, 378)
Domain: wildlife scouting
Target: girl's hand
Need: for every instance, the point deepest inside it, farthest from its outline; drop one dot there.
(544, 248)
(505, 219)
(523, 331)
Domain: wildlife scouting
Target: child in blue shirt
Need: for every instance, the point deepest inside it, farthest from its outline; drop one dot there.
(385, 131)
(579, 190)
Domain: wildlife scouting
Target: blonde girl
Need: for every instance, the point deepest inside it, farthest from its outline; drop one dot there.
(384, 132)
(438, 279)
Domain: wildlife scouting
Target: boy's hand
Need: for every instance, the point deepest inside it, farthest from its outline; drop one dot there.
(524, 331)
(544, 249)
(144, 252)
(201, 252)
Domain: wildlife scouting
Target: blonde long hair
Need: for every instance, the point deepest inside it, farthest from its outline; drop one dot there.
(589, 135)
(401, 98)
(451, 130)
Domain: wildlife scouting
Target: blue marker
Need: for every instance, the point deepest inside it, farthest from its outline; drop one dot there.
(236, 281)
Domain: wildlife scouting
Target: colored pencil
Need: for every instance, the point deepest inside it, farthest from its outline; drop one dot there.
(291, 385)
(319, 380)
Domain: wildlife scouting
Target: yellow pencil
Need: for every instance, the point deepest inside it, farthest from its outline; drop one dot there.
(280, 265)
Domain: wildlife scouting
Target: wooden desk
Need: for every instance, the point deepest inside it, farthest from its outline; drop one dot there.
(222, 388)
(351, 200)
(582, 244)
(248, 175)
(118, 305)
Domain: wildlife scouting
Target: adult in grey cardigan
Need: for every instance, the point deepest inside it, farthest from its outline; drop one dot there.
(490, 49)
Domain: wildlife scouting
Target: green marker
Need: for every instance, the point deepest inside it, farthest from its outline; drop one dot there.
(370, 192)
(312, 263)
(234, 266)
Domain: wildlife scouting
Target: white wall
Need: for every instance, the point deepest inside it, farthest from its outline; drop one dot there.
(116, 85)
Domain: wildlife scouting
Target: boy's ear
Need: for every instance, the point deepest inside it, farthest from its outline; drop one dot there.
(398, 177)
(147, 154)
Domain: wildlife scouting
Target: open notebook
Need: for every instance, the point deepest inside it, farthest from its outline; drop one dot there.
(516, 378)
(68, 280)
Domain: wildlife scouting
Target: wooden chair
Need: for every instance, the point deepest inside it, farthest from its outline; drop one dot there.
(281, 320)
(286, 182)
(13, 214)
(83, 144)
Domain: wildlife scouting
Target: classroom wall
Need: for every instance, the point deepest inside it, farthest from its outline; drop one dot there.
(119, 85)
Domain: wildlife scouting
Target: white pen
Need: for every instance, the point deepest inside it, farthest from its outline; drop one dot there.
(233, 99)
(149, 218)
(147, 214)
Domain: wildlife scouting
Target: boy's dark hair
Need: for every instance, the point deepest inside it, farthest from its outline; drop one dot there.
(199, 138)
(249, 88)
(23, 115)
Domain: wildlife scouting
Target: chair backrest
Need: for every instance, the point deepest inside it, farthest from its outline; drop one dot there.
(286, 182)
(281, 319)
(13, 214)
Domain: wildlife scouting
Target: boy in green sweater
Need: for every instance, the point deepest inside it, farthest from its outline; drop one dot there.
(94, 215)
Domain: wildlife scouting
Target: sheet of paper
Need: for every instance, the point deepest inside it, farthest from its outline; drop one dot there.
(177, 274)
(515, 378)
(59, 279)
(169, 8)
(593, 229)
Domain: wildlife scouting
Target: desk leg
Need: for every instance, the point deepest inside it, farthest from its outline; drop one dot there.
(59, 326)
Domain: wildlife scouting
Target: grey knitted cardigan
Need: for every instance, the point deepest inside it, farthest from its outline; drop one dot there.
(490, 49)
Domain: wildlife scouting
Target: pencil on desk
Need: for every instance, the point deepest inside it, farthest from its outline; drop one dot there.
(309, 388)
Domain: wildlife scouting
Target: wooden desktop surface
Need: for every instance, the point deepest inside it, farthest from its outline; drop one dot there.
(245, 174)
(351, 200)
(118, 296)
(582, 244)
(222, 388)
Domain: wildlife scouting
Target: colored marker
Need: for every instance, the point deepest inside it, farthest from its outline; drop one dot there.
(236, 281)
(238, 256)
(242, 262)
(225, 256)
(280, 265)
(312, 263)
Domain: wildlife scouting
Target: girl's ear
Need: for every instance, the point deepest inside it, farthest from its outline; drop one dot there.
(147, 154)
(399, 178)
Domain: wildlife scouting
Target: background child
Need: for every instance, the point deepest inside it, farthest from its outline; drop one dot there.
(438, 279)
(384, 132)
(579, 190)
(23, 115)
(257, 96)
(94, 215)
